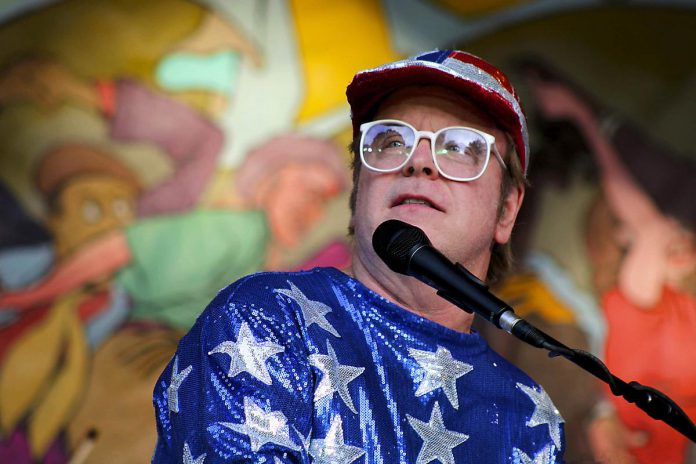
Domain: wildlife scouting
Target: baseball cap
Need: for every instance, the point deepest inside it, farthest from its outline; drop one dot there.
(459, 71)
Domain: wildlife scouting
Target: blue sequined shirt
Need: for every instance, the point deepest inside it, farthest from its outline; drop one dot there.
(315, 367)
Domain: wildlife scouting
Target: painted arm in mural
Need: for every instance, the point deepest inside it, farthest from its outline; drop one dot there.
(192, 142)
(95, 260)
(647, 231)
(45, 82)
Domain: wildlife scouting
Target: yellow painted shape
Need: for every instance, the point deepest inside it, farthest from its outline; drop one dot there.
(102, 38)
(530, 295)
(65, 392)
(336, 40)
(125, 367)
(28, 367)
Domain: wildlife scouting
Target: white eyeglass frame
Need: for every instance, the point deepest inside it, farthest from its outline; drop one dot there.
(432, 136)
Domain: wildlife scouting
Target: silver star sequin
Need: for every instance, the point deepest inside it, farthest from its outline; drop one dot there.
(545, 456)
(248, 355)
(174, 384)
(188, 457)
(335, 378)
(438, 442)
(441, 371)
(314, 312)
(544, 413)
(263, 427)
(333, 448)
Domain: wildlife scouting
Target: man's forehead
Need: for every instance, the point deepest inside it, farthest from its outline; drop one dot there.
(424, 90)
(439, 97)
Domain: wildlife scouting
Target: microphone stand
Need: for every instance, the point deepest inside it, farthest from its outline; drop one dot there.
(655, 403)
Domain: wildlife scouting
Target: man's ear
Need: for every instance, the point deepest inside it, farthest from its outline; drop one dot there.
(508, 213)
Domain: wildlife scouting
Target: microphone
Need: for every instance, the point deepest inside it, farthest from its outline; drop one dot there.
(406, 249)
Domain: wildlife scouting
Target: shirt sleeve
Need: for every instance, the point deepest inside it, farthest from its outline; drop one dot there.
(240, 387)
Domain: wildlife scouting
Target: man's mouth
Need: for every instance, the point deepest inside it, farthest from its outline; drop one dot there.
(409, 200)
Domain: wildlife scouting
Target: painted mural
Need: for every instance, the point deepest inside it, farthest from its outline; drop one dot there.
(153, 152)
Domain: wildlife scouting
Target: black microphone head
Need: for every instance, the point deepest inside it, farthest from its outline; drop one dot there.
(395, 242)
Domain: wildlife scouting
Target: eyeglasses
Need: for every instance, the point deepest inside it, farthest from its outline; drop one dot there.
(459, 153)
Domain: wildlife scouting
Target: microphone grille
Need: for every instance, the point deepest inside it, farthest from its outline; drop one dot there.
(395, 242)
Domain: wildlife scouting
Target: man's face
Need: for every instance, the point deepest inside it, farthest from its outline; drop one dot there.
(460, 218)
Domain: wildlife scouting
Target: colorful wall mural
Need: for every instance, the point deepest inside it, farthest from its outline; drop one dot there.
(153, 152)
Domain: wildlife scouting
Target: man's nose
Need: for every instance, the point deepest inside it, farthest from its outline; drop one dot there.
(421, 161)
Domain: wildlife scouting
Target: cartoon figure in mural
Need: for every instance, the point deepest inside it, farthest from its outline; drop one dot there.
(96, 237)
(110, 247)
(90, 196)
(112, 236)
(324, 366)
(650, 301)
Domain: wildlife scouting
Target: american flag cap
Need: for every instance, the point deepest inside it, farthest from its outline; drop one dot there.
(460, 71)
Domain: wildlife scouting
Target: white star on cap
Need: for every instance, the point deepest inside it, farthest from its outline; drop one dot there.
(188, 457)
(544, 413)
(314, 312)
(248, 355)
(335, 378)
(333, 448)
(441, 371)
(176, 380)
(263, 427)
(545, 456)
(438, 442)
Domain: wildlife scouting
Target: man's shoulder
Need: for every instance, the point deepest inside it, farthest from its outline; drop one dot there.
(267, 300)
(509, 372)
(271, 281)
(264, 287)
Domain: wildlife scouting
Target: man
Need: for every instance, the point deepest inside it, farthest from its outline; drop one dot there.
(322, 367)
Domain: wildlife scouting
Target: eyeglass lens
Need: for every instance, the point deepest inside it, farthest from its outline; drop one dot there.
(459, 152)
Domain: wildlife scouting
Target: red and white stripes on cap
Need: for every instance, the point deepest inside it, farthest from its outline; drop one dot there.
(459, 71)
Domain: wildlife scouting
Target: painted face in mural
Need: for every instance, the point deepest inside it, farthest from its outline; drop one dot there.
(461, 218)
(89, 206)
(681, 252)
(294, 199)
(608, 241)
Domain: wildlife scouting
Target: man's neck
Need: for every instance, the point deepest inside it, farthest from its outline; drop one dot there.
(411, 294)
